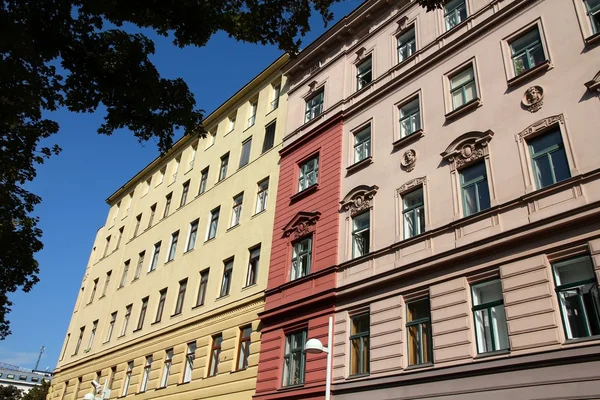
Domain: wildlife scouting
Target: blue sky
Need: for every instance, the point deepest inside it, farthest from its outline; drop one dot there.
(75, 184)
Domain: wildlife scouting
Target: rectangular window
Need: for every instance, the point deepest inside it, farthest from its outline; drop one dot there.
(155, 256)
(364, 73)
(232, 119)
(213, 223)
(146, 374)
(106, 283)
(215, 353)
(176, 168)
(226, 283)
(161, 304)
(111, 326)
(490, 320)
(360, 234)
(413, 213)
(236, 212)
(164, 380)
(140, 324)
(111, 379)
(173, 246)
(94, 288)
(579, 301)
(407, 45)
(549, 159)
(362, 144)
(262, 195)
(593, 12)
(64, 351)
(152, 214)
(180, 296)
(79, 339)
(294, 359)
(203, 180)
(188, 368)
(92, 335)
(308, 173)
(527, 51)
(167, 204)
(127, 380)
(246, 147)
(252, 118)
(140, 264)
(202, 287)
(462, 88)
(162, 173)
(244, 347)
(138, 221)
(126, 319)
(184, 193)
(276, 93)
(475, 190)
(269, 140)
(106, 247)
(119, 237)
(253, 266)
(359, 344)
(418, 325)
(192, 236)
(193, 156)
(223, 169)
(410, 118)
(455, 12)
(148, 183)
(314, 105)
(301, 257)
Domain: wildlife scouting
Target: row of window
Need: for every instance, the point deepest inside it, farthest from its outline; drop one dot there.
(579, 302)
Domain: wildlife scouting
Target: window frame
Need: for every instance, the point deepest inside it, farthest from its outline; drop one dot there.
(168, 199)
(111, 326)
(184, 193)
(192, 235)
(262, 196)
(126, 317)
(173, 246)
(188, 366)
(155, 256)
(215, 213)
(223, 166)
(365, 144)
(227, 277)
(447, 12)
(488, 306)
(314, 109)
(415, 117)
(296, 255)
(215, 354)
(236, 210)
(359, 232)
(414, 210)
(304, 171)
(289, 354)
(418, 322)
(474, 183)
(143, 310)
(411, 29)
(367, 61)
(202, 287)
(268, 140)
(252, 274)
(160, 307)
(180, 297)
(203, 180)
(146, 374)
(555, 148)
(243, 348)
(127, 379)
(245, 152)
(166, 370)
(360, 336)
(512, 77)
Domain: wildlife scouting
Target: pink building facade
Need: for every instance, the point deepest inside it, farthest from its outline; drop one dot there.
(469, 244)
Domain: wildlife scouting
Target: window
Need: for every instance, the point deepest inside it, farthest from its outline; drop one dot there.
(116, 213)
(140, 324)
(190, 356)
(276, 93)
(490, 320)
(124, 275)
(527, 51)
(127, 381)
(237, 209)
(192, 236)
(173, 246)
(262, 195)
(202, 288)
(180, 296)
(129, 201)
(119, 237)
(66, 346)
(211, 138)
(161, 304)
(549, 159)
(362, 144)
(364, 73)
(410, 118)
(577, 291)
(407, 45)
(252, 118)
(418, 325)
(167, 204)
(269, 140)
(253, 266)
(138, 221)
(92, 335)
(64, 391)
(111, 326)
(176, 168)
(308, 174)
(223, 169)
(215, 352)
(94, 288)
(475, 190)
(106, 283)
(226, 283)
(359, 344)
(162, 173)
(81, 332)
(203, 180)
(455, 12)
(155, 255)
(593, 12)
(360, 234)
(232, 122)
(147, 187)
(152, 214)
(245, 157)
(184, 193)
(413, 213)
(462, 88)
(126, 319)
(106, 247)
(301, 257)
(164, 380)
(111, 379)
(146, 374)
(314, 105)
(244, 347)
(193, 156)
(294, 359)
(213, 224)
(138, 269)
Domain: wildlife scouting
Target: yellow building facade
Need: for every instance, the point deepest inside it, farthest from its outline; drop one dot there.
(168, 307)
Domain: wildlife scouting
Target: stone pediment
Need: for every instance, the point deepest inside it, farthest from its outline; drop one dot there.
(468, 148)
(358, 199)
(302, 224)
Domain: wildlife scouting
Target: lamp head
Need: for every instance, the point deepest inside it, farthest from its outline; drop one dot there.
(314, 346)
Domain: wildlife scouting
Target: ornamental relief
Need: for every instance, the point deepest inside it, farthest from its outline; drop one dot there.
(359, 200)
(468, 148)
(533, 99)
(409, 159)
(302, 224)
(410, 185)
(541, 125)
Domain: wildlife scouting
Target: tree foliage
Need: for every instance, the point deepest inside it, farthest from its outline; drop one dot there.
(10, 392)
(37, 392)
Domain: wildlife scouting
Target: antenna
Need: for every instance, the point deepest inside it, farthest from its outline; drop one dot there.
(37, 364)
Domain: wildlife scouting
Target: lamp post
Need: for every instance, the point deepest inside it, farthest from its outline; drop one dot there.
(314, 346)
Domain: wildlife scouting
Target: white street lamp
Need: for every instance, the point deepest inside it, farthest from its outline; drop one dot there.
(314, 346)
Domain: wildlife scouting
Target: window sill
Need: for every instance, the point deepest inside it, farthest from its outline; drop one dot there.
(360, 165)
(416, 135)
(169, 261)
(291, 387)
(188, 251)
(135, 280)
(189, 170)
(222, 297)
(526, 75)
(176, 315)
(155, 322)
(369, 84)
(208, 147)
(238, 370)
(210, 239)
(160, 388)
(309, 190)
(101, 297)
(357, 376)
(232, 227)
(171, 184)
(137, 330)
(183, 383)
(249, 286)
(259, 213)
(470, 106)
(419, 366)
(151, 271)
(197, 306)
(592, 40)
(120, 336)
(492, 354)
(582, 340)
(158, 184)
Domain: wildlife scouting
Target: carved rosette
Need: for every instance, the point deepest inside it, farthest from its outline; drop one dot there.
(468, 148)
(541, 125)
(533, 99)
(359, 199)
(409, 160)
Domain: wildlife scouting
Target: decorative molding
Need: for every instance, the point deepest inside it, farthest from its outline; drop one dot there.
(302, 224)
(594, 84)
(533, 99)
(401, 23)
(358, 199)
(311, 86)
(409, 160)
(468, 148)
(540, 125)
(410, 185)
